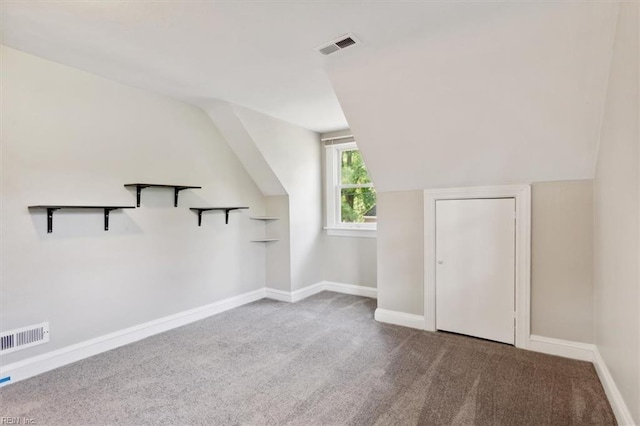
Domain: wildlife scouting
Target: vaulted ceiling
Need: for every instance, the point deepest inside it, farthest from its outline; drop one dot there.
(438, 94)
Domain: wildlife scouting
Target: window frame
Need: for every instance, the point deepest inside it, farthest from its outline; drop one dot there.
(333, 194)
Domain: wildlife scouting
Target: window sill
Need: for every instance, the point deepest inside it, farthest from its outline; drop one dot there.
(352, 232)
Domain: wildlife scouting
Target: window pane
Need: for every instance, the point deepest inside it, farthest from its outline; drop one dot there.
(358, 205)
(352, 168)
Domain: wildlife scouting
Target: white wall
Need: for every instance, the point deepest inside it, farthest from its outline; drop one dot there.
(617, 217)
(351, 260)
(561, 285)
(562, 260)
(294, 155)
(283, 158)
(278, 254)
(69, 137)
(401, 251)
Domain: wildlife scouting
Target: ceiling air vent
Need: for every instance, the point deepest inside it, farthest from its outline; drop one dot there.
(338, 44)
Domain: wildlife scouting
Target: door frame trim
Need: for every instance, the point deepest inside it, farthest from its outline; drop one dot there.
(522, 195)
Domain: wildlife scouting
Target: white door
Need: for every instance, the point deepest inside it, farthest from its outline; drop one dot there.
(475, 267)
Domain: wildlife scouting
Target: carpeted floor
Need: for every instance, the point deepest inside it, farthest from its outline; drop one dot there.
(323, 360)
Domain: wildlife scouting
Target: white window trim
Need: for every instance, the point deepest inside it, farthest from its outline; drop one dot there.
(332, 175)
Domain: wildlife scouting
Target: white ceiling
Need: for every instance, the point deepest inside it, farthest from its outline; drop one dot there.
(257, 54)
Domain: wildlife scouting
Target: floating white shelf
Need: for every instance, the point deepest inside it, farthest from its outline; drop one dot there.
(265, 219)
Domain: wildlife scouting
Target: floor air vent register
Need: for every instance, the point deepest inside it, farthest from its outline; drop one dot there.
(24, 337)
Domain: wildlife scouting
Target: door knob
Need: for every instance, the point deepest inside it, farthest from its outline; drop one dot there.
(440, 261)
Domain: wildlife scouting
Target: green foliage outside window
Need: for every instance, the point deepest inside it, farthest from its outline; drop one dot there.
(357, 204)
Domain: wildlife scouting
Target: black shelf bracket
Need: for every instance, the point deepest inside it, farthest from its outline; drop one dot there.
(199, 210)
(106, 209)
(199, 217)
(138, 194)
(50, 219)
(176, 190)
(106, 218)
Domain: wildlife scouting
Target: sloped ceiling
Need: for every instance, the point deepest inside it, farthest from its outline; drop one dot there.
(514, 97)
(257, 54)
(275, 153)
(440, 94)
(226, 119)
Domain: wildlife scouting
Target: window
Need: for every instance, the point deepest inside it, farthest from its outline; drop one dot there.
(351, 197)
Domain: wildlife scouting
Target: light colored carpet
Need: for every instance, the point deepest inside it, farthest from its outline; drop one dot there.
(323, 360)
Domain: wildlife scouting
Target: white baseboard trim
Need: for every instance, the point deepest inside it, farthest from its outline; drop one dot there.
(559, 347)
(280, 295)
(308, 291)
(357, 290)
(399, 318)
(620, 409)
(303, 293)
(33, 366)
(586, 352)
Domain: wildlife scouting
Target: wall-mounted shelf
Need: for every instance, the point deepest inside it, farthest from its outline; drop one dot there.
(199, 210)
(176, 189)
(265, 219)
(51, 209)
